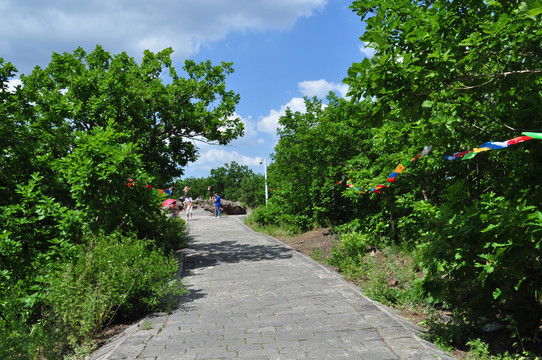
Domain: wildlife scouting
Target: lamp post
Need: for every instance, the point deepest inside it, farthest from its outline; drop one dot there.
(264, 162)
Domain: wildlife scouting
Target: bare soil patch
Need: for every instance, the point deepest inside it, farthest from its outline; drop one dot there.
(315, 242)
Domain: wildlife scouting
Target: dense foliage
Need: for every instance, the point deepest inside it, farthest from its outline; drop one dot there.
(81, 243)
(453, 75)
(308, 160)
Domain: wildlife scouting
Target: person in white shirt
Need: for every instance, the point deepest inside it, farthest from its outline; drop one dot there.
(188, 207)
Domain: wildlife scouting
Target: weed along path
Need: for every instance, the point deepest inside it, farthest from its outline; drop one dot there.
(252, 297)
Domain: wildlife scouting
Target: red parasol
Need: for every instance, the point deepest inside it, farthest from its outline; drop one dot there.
(168, 202)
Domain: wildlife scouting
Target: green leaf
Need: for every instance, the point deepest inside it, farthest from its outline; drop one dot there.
(530, 8)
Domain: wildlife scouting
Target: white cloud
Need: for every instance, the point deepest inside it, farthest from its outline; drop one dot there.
(270, 123)
(366, 50)
(33, 29)
(321, 88)
(221, 157)
(12, 84)
(252, 136)
(251, 133)
(214, 157)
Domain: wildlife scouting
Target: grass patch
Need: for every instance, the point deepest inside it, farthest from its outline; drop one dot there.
(271, 230)
(389, 275)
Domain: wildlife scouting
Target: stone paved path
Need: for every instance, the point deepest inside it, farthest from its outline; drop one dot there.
(251, 297)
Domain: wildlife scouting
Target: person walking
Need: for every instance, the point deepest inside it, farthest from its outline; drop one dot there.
(188, 207)
(217, 205)
(174, 210)
(210, 189)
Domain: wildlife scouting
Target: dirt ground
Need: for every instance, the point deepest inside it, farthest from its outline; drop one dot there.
(318, 241)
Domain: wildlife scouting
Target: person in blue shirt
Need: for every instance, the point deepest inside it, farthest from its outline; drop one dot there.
(217, 205)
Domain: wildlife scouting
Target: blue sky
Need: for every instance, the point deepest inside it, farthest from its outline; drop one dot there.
(282, 50)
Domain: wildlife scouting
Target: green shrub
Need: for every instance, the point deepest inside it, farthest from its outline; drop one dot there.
(348, 255)
(170, 234)
(484, 258)
(446, 335)
(388, 276)
(392, 278)
(352, 246)
(16, 339)
(265, 215)
(111, 273)
(271, 215)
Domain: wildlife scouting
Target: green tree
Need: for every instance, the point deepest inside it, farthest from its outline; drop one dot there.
(446, 72)
(90, 121)
(19, 142)
(252, 190)
(73, 134)
(455, 74)
(310, 159)
(159, 109)
(238, 183)
(97, 172)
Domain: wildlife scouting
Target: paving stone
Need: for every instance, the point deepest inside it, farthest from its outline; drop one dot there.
(252, 297)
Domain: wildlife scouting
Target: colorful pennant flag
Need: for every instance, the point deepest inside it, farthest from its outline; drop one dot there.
(377, 188)
(161, 191)
(534, 135)
(457, 155)
(401, 167)
(130, 182)
(464, 155)
(491, 145)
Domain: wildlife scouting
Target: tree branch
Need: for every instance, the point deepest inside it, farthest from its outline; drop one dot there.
(485, 115)
(472, 77)
(504, 74)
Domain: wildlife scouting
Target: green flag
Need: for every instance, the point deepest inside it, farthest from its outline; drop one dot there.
(533, 135)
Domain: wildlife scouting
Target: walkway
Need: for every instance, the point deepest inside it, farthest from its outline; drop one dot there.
(252, 297)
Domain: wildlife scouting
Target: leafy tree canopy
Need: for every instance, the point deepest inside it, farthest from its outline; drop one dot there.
(158, 108)
(475, 62)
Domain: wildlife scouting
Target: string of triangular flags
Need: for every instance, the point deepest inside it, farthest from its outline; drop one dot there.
(156, 191)
(491, 145)
(399, 169)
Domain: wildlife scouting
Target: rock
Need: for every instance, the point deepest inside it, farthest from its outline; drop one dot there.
(226, 206)
(445, 318)
(491, 327)
(233, 208)
(393, 282)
